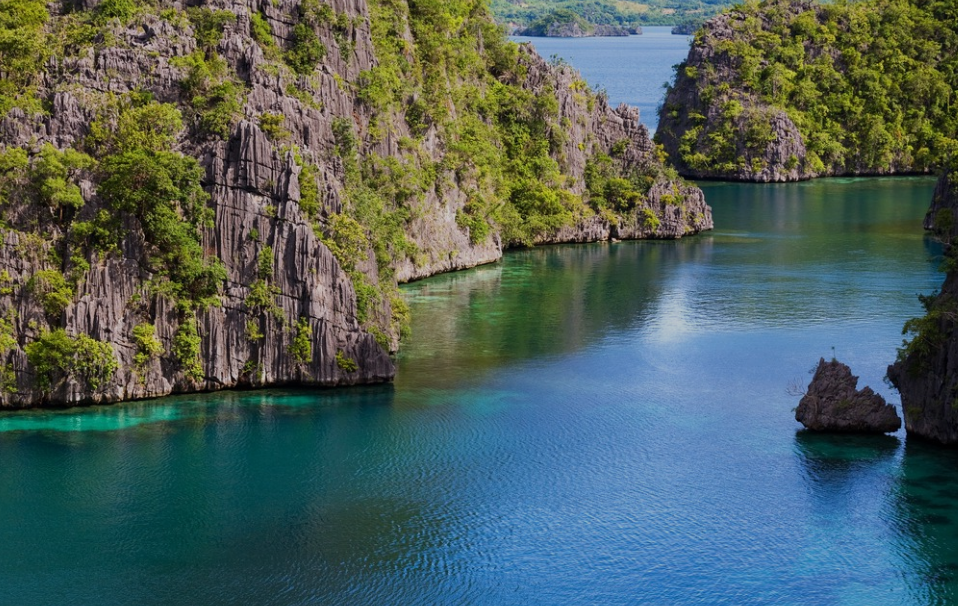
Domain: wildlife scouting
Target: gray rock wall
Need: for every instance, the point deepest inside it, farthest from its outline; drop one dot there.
(926, 375)
(255, 188)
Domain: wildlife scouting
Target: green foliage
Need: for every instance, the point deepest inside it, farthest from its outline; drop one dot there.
(302, 346)
(558, 18)
(610, 12)
(264, 263)
(305, 51)
(368, 298)
(24, 47)
(55, 353)
(868, 84)
(262, 33)
(345, 363)
(162, 190)
(253, 332)
(609, 191)
(347, 241)
(927, 332)
(54, 174)
(401, 316)
(216, 98)
(473, 219)
(124, 10)
(650, 219)
(97, 234)
(316, 12)
(272, 125)
(53, 291)
(344, 137)
(186, 349)
(262, 298)
(8, 339)
(147, 345)
(14, 162)
(134, 121)
(208, 25)
(309, 201)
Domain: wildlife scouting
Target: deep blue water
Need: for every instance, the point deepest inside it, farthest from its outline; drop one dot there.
(593, 424)
(632, 70)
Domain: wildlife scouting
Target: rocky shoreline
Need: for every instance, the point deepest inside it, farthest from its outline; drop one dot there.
(300, 303)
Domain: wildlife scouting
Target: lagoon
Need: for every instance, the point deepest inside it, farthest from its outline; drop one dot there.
(589, 424)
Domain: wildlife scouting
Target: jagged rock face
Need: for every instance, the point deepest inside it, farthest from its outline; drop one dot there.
(833, 403)
(256, 185)
(942, 216)
(926, 373)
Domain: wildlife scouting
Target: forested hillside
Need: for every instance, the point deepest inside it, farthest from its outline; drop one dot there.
(625, 13)
(228, 194)
(785, 90)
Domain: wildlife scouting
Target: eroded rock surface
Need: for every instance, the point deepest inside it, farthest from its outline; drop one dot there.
(257, 181)
(926, 372)
(833, 403)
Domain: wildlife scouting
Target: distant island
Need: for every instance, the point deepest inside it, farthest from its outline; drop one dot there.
(601, 17)
(563, 23)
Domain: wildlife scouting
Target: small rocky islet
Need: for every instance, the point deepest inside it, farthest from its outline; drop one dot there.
(317, 166)
(833, 403)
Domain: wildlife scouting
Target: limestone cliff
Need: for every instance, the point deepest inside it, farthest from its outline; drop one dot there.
(926, 372)
(785, 90)
(226, 195)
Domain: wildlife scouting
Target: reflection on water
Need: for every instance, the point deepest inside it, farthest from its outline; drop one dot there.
(597, 424)
(926, 515)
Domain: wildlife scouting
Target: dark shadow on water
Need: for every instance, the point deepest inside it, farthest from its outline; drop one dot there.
(925, 514)
(546, 301)
(825, 453)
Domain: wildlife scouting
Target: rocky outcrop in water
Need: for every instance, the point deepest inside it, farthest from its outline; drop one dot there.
(833, 403)
(926, 372)
(322, 194)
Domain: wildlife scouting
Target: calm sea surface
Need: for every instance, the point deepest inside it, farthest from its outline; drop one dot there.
(631, 69)
(593, 424)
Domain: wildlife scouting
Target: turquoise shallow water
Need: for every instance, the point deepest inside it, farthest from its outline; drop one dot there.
(593, 424)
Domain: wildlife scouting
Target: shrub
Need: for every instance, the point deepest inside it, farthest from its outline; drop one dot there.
(186, 349)
(208, 25)
(55, 352)
(305, 51)
(215, 98)
(262, 33)
(347, 241)
(253, 332)
(162, 190)
(302, 346)
(262, 298)
(264, 263)
(147, 345)
(345, 363)
(124, 10)
(53, 291)
(272, 125)
(52, 174)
